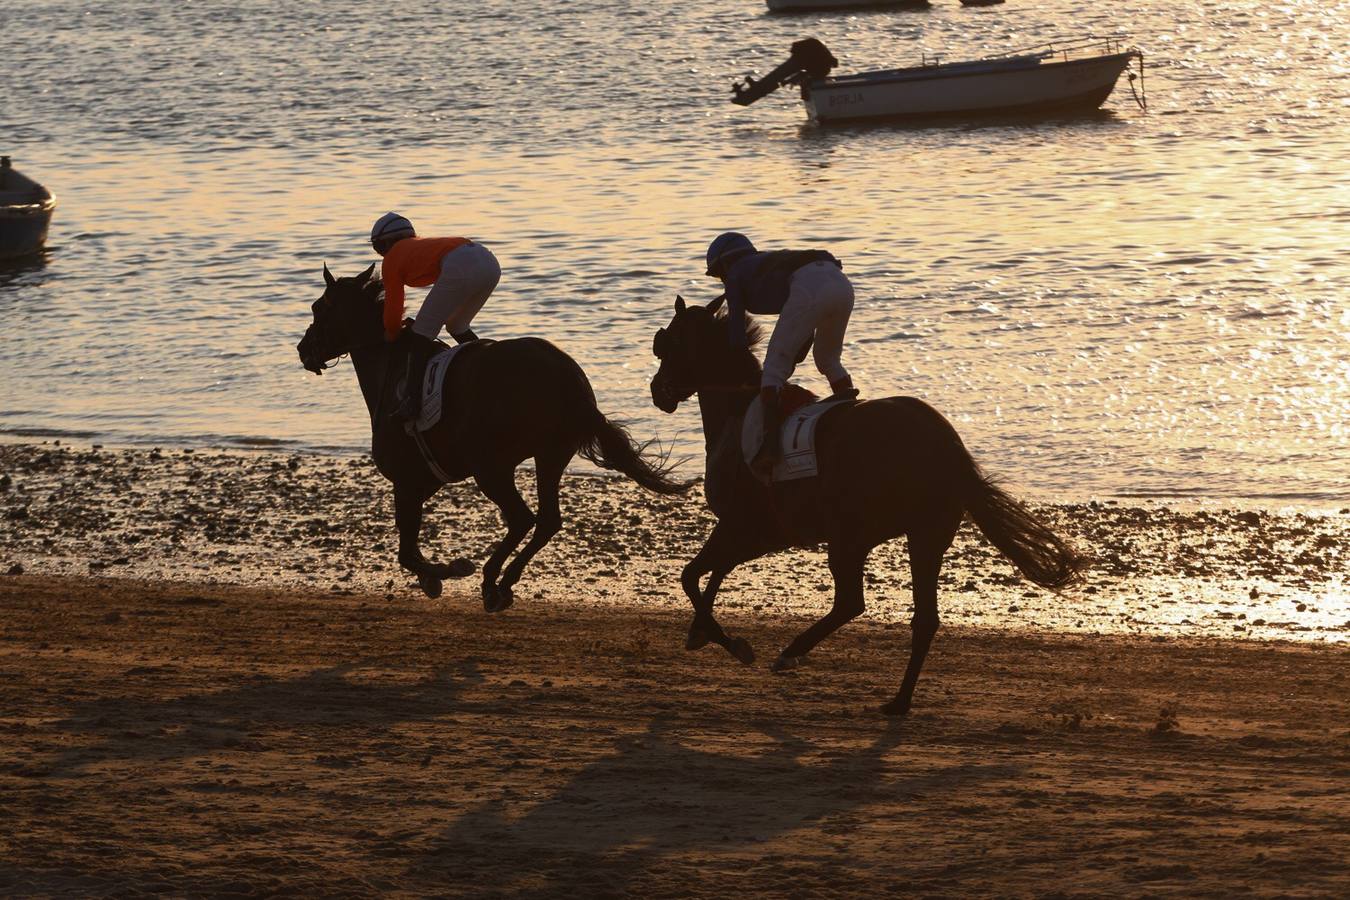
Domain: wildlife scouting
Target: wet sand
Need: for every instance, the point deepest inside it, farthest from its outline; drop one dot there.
(324, 522)
(213, 679)
(186, 739)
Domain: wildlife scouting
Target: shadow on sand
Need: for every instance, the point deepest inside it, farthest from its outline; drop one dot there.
(657, 801)
(241, 718)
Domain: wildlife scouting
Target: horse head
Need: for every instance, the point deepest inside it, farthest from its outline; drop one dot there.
(695, 353)
(346, 317)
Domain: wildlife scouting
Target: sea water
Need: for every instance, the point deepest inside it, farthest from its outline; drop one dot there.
(1123, 303)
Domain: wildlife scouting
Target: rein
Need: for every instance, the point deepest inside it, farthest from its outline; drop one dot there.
(328, 364)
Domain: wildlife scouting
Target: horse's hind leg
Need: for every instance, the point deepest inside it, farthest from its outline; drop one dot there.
(499, 486)
(548, 475)
(847, 562)
(925, 561)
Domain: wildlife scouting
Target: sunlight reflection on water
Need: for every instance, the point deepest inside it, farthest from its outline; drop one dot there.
(1123, 304)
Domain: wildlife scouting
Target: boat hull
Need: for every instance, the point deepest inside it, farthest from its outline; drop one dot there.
(23, 230)
(830, 5)
(1073, 85)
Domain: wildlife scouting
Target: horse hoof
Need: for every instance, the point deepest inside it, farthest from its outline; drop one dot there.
(430, 584)
(896, 708)
(497, 599)
(785, 663)
(697, 640)
(460, 568)
(741, 649)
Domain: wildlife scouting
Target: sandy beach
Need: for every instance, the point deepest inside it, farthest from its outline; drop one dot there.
(181, 739)
(214, 680)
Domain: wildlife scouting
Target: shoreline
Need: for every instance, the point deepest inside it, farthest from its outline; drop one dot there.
(255, 740)
(79, 440)
(260, 518)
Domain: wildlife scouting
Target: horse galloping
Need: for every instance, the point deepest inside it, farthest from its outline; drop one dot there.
(507, 401)
(887, 468)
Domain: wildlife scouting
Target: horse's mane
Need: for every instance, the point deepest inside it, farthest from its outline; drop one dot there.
(754, 332)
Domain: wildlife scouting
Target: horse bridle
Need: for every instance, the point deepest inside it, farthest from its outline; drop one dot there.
(661, 347)
(337, 357)
(324, 365)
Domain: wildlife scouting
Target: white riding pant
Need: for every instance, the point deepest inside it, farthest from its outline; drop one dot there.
(819, 303)
(469, 273)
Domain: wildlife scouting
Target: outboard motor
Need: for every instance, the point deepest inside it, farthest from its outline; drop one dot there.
(810, 59)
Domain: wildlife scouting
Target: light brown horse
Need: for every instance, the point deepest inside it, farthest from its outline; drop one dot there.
(507, 401)
(888, 468)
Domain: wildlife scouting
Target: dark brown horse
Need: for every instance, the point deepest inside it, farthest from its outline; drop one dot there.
(507, 401)
(888, 468)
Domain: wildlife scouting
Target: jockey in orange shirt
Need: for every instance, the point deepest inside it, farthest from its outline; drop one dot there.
(461, 273)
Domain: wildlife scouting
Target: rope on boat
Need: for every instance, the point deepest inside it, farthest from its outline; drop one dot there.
(1140, 97)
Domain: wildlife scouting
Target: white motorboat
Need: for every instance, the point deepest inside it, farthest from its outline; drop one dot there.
(1051, 78)
(830, 5)
(25, 212)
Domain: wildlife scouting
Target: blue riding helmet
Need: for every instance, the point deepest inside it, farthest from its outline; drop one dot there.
(725, 248)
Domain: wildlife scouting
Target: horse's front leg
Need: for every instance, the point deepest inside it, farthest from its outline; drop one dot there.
(718, 556)
(703, 601)
(408, 502)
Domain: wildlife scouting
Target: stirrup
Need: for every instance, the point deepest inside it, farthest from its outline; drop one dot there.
(409, 411)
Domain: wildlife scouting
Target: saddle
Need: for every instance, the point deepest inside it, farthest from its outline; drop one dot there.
(433, 383)
(433, 400)
(801, 413)
(433, 380)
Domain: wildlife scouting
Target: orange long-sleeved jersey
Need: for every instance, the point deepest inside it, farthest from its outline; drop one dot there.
(412, 262)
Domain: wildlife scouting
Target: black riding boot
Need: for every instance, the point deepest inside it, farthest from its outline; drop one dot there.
(420, 351)
(465, 336)
(843, 389)
(771, 445)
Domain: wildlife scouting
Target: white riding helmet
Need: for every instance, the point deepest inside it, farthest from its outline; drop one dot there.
(391, 225)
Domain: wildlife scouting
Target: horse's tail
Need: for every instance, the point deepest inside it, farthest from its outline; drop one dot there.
(610, 446)
(1038, 552)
